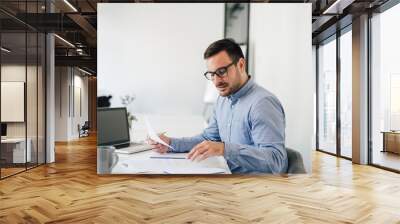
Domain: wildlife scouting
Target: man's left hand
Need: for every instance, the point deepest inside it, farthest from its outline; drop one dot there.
(206, 149)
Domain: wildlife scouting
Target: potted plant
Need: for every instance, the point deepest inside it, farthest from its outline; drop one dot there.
(126, 101)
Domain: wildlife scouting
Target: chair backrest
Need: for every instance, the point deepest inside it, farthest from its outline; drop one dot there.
(295, 162)
(86, 125)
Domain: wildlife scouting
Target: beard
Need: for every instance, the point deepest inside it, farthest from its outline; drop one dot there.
(223, 88)
(226, 89)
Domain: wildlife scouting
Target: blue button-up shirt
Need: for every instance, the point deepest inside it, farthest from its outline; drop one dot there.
(251, 123)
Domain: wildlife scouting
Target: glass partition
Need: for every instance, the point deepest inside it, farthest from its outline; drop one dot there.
(14, 153)
(327, 96)
(41, 107)
(22, 77)
(31, 99)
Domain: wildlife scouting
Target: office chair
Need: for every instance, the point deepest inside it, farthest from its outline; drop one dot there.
(295, 162)
(84, 130)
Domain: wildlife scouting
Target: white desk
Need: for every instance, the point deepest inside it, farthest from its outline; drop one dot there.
(139, 163)
(18, 149)
(143, 162)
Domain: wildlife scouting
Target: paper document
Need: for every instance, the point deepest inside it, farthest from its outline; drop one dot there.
(156, 155)
(186, 166)
(169, 163)
(197, 170)
(153, 135)
(137, 166)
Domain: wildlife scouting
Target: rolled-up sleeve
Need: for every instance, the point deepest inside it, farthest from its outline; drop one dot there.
(268, 154)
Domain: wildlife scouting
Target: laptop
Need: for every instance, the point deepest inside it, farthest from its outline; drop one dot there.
(113, 130)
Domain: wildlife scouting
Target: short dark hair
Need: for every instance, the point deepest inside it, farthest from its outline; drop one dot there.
(229, 45)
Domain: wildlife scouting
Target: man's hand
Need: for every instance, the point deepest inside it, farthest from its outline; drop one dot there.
(159, 147)
(206, 149)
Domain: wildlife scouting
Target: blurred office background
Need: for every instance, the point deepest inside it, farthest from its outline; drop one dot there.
(51, 48)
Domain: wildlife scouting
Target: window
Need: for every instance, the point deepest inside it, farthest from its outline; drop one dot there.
(385, 89)
(395, 101)
(327, 96)
(334, 138)
(346, 94)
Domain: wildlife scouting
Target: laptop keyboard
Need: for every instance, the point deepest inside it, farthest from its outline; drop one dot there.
(134, 148)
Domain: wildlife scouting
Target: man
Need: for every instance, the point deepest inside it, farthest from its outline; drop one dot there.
(248, 123)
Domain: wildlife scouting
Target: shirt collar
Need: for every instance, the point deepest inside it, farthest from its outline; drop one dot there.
(242, 91)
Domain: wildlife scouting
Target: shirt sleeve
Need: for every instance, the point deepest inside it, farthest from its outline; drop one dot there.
(211, 133)
(268, 155)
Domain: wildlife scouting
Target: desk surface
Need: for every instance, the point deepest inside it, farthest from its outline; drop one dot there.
(150, 162)
(138, 163)
(13, 140)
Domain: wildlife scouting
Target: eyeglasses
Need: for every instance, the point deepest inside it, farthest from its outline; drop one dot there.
(220, 72)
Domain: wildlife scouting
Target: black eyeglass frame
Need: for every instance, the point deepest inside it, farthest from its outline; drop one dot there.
(219, 74)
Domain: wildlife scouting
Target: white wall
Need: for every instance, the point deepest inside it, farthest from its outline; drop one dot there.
(157, 55)
(281, 61)
(18, 73)
(80, 83)
(66, 121)
(33, 125)
(61, 103)
(12, 101)
(314, 72)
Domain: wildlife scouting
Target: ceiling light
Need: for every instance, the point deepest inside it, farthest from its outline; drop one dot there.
(84, 71)
(338, 6)
(79, 51)
(64, 40)
(5, 50)
(70, 5)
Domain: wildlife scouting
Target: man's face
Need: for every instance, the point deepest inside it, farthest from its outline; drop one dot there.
(230, 81)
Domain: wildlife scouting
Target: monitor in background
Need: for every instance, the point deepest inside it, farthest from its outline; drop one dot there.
(112, 127)
(3, 130)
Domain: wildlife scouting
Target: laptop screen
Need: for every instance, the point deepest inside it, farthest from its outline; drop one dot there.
(3, 129)
(112, 126)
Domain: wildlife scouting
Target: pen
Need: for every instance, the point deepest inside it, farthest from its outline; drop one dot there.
(165, 157)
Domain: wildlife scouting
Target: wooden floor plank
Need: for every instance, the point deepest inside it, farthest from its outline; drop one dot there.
(70, 191)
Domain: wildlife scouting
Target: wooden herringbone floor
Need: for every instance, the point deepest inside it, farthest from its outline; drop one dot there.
(70, 191)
